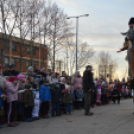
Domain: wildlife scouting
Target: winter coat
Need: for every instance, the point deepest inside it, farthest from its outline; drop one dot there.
(21, 95)
(0, 99)
(68, 97)
(28, 98)
(10, 73)
(116, 92)
(88, 82)
(75, 81)
(31, 76)
(56, 94)
(2, 83)
(103, 91)
(45, 94)
(11, 92)
(98, 89)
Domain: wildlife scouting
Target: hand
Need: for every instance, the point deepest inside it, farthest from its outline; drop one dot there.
(89, 90)
(119, 51)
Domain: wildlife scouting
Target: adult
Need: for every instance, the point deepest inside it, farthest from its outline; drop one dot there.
(10, 71)
(42, 72)
(30, 74)
(2, 80)
(76, 80)
(12, 96)
(115, 94)
(88, 86)
(52, 78)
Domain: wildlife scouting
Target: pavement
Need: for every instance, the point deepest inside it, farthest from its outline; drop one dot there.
(108, 119)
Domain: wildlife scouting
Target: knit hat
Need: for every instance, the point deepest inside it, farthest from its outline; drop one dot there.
(79, 86)
(131, 21)
(62, 78)
(37, 79)
(13, 79)
(30, 68)
(67, 86)
(20, 76)
(88, 66)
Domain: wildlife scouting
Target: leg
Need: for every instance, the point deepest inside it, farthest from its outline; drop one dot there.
(67, 108)
(70, 105)
(87, 102)
(57, 109)
(53, 109)
(113, 98)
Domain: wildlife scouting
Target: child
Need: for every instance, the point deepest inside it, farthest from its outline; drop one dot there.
(79, 95)
(56, 97)
(68, 99)
(35, 112)
(29, 102)
(21, 79)
(45, 98)
(98, 97)
(103, 93)
(1, 96)
(12, 96)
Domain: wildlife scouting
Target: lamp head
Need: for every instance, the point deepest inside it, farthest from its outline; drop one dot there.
(86, 15)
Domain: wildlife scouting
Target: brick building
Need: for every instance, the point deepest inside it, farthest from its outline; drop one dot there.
(13, 54)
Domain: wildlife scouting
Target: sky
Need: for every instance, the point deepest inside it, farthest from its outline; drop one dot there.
(107, 19)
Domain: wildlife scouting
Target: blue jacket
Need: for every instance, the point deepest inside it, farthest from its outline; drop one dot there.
(45, 94)
(0, 99)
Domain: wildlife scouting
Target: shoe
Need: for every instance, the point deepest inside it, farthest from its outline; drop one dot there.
(67, 113)
(28, 120)
(16, 123)
(95, 105)
(58, 115)
(89, 114)
(35, 118)
(31, 119)
(11, 125)
(70, 113)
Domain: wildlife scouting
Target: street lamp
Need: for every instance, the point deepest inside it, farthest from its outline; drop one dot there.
(77, 18)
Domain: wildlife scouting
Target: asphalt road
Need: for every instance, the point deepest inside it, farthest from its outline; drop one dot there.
(109, 119)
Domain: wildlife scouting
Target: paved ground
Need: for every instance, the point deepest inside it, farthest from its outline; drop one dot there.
(109, 119)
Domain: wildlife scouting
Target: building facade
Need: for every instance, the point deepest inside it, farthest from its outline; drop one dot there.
(20, 50)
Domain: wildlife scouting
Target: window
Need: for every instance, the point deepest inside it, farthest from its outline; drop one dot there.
(3, 42)
(27, 64)
(14, 46)
(6, 61)
(35, 63)
(28, 49)
(13, 61)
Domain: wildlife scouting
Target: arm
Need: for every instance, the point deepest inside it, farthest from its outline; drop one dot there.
(12, 88)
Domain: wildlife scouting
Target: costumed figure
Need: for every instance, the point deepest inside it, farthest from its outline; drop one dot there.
(129, 46)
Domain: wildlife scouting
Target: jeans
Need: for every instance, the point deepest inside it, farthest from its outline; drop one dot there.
(87, 98)
(68, 108)
(116, 98)
(55, 108)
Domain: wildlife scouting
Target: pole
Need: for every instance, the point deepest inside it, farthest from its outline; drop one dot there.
(76, 39)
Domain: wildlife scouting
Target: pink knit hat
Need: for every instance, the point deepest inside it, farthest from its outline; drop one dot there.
(20, 76)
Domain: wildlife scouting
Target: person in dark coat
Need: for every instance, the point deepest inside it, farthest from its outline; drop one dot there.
(116, 94)
(11, 71)
(88, 86)
(56, 97)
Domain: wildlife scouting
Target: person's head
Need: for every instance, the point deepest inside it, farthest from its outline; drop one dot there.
(10, 67)
(64, 73)
(21, 78)
(53, 74)
(37, 80)
(79, 86)
(46, 82)
(28, 86)
(89, 68)
(13, 80)
(103, 84)
(131, 22)
(56, 84)
(35, 86)
(67, 87)
(30, 69)
(42, 69)
(77, 73)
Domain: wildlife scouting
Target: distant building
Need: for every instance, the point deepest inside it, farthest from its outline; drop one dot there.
(13, 54)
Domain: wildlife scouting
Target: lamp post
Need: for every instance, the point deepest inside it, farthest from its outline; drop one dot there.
(77, 19)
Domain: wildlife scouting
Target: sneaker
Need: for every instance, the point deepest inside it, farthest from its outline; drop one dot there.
(11, 125)
(28, 120)
(70, 113)
(67, 113)
(89, 114)
(31, 119)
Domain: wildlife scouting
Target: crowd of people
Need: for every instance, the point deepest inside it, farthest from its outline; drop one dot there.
(41, 94)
